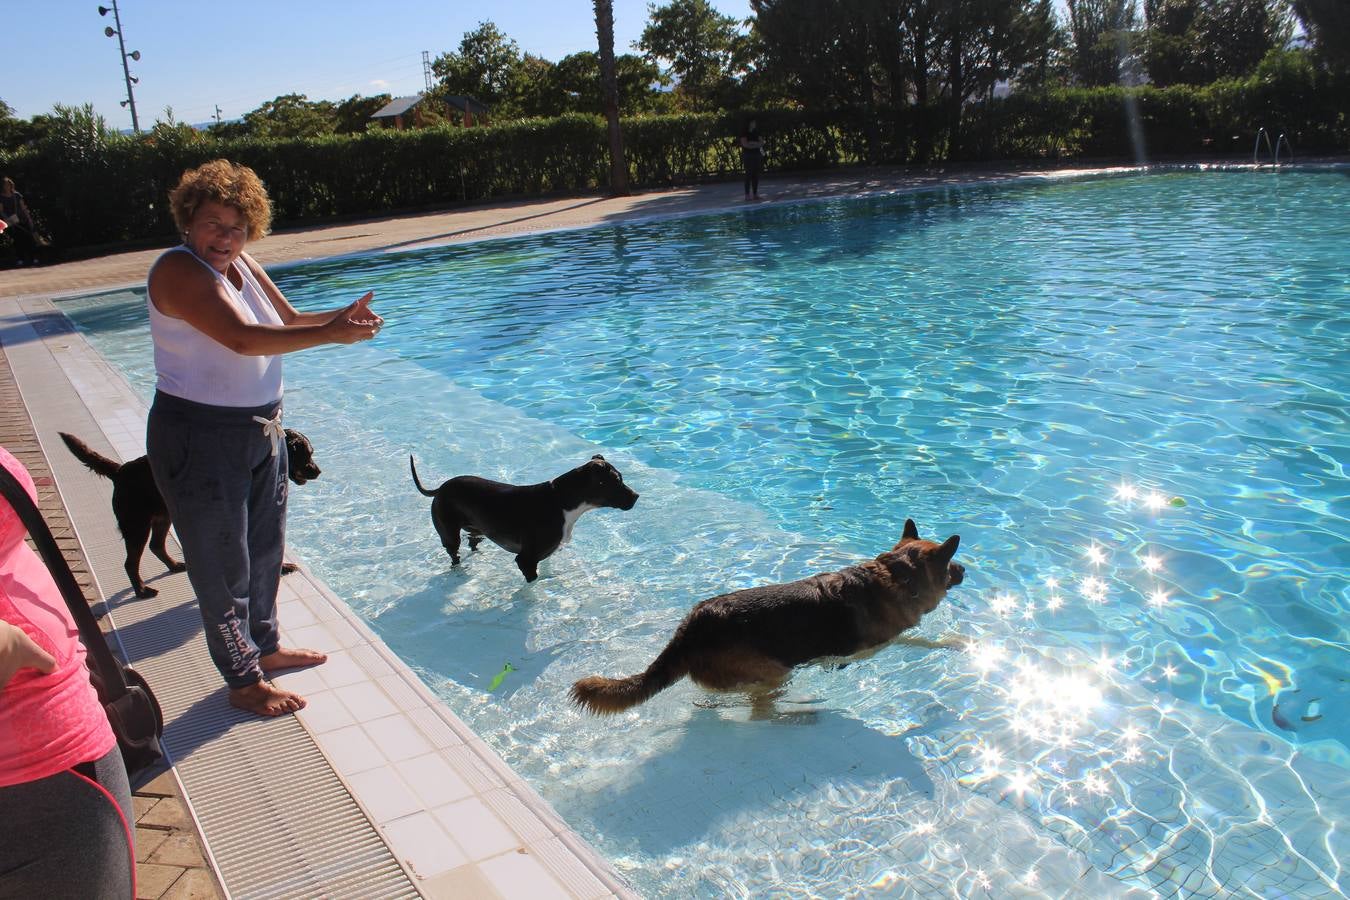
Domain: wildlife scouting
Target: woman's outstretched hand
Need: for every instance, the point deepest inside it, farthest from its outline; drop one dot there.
(357, 322)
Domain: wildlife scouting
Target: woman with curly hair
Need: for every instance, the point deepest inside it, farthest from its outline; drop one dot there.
(214, 437)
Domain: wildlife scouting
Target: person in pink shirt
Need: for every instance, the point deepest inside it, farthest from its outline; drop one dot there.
(64, 798)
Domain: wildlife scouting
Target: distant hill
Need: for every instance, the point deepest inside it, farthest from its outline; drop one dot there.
(200, 126)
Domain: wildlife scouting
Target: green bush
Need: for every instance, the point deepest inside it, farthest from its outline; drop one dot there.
(1286, 95)
(96, 189)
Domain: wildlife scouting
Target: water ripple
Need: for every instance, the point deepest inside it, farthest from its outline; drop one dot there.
(1128, 395)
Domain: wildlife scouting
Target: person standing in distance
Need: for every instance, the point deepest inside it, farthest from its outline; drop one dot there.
(214, 436)
(752, 158)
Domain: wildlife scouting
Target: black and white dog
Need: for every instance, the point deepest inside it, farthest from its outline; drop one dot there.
(531, 521)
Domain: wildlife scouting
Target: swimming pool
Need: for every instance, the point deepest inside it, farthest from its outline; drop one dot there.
(1157, 697)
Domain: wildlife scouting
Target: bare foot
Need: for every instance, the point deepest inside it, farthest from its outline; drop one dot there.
(288, 658)
(266, 699)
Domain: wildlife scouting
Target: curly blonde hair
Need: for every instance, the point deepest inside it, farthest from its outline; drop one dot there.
(221, 181)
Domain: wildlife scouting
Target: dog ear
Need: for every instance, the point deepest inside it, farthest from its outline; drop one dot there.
(599, 457)
(911, 533)
(945, 553)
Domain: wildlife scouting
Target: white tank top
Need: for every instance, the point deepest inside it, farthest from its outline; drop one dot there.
(190, 365)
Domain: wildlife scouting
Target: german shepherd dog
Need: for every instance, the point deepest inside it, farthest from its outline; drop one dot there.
(751, 640)
(140, 510)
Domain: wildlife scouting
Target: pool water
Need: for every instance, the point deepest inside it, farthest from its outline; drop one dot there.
(1128, 396)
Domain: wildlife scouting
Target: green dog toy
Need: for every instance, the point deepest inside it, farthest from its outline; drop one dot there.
(500, 677)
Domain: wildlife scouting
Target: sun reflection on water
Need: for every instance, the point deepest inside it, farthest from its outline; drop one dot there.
(1062, 744)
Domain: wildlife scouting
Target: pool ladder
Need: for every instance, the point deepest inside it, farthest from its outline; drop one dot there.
(1282, 141)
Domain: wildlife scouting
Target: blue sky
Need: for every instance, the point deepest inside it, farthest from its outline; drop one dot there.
(240, 53)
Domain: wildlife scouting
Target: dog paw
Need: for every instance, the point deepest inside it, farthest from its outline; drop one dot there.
(288, 568)
(146, 593)
(178, 567)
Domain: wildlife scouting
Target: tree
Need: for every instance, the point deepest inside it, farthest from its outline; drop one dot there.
(1100, 33)
(352, 116)
(986, 42)
(898, 61)
(703, 48)
(1035, 40)
(609, 89)
(228, 130)
(1168, 55)
(291, 116)
(1233, 36)
(77, 136)
(827, 54)
(1327, 24)
(534, 90)
(1200, 41)
(169, 132)
(486, 67)
(15, 133)
(574, 85)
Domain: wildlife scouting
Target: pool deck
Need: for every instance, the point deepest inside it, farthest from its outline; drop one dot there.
(376, 788)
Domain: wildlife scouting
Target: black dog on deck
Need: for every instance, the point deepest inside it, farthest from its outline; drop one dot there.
(751, 640)
(531, 521)
(139, 508)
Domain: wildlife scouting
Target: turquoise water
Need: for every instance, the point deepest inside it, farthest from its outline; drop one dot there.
(1157, 696)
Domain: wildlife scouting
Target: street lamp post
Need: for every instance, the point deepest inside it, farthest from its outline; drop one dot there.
(126, 72)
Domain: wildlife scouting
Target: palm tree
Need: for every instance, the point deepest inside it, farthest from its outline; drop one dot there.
(609, 89)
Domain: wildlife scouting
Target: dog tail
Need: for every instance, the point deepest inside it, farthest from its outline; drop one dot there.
(606, 696)
(97, 463)
(424, 492)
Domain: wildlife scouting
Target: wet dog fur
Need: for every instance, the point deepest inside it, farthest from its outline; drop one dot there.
(140, 510)
(751, 640)
(531, 521)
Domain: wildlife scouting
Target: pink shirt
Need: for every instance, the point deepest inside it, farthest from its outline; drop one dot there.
(48, 723)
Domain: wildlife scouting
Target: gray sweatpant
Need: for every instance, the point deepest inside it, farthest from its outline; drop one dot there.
(68, 836)
(224, 481)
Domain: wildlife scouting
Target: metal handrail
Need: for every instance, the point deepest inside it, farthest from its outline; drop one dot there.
(1256, 148)
(1285, 141)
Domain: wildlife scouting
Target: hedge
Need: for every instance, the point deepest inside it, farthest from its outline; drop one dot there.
(117, 193)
